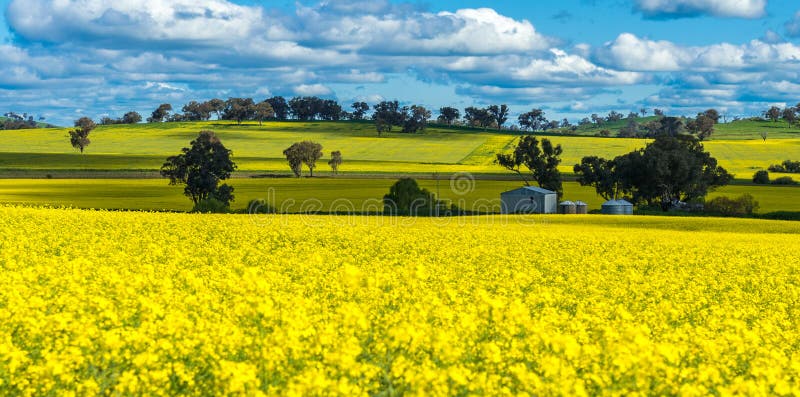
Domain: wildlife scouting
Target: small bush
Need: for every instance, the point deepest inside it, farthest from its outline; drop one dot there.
(784, 180)
(260, 206)
(787, 167)
(211, 206)
(407, 198)
(761, 178)
(742, 205)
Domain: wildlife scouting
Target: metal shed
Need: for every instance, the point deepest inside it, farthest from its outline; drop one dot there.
(617, 207)
(529, 200)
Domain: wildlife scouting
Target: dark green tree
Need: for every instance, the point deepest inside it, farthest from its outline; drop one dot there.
(499, 113)
(773, 113)
(300, 153)
(448, 115)
(201, 167)
(335, 161)
(533, 120)
(761, 177)
(416, 119)
(263, 111)
(407, 198)
(131, 118)
(600, 174)
(280, 107)
(216, 106)
(478, 117)
(668, 169)
(160, 114)
(79, 137)
(360, 110)
(239, 109)
(540, 158)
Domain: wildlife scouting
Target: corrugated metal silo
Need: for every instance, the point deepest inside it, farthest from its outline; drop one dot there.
(567, 208)
(617, 207)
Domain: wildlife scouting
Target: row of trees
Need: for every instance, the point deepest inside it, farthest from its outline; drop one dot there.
(410, 119)
(701, 126)
(668, 170)
(16, 121)
(308, 153)
(788, 114)
(127, 118)
(671, 169)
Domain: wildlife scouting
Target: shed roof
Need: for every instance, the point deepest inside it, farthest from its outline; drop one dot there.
(530, 189)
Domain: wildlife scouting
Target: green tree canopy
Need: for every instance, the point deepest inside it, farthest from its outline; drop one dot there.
(540, 158)
(201, 167)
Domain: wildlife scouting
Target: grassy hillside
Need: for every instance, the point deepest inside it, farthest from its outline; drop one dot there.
(259, 148)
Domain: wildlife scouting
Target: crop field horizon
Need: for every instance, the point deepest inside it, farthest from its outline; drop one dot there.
(325, 195)
(259, 148)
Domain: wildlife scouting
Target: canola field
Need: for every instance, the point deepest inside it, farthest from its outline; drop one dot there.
(259, 148)
(164, 304)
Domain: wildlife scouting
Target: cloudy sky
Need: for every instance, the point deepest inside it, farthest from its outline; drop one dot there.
(67, 58)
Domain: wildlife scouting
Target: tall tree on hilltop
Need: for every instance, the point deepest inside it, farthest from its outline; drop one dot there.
(416, 119)
(280, 107)
(216, 106)
(263, 111)
(79, 137)
(131, 118)
(239, 109)
(160, 114)
(500, 114)
(534, 120)
(360, 110)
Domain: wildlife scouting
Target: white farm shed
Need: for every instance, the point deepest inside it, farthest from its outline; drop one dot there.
(529, 200)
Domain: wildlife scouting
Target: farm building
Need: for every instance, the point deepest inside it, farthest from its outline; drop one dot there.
(529, 200)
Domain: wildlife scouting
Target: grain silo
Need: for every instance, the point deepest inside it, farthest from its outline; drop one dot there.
(529, 200)
(567, 208)
(581, 208)
(617, 207)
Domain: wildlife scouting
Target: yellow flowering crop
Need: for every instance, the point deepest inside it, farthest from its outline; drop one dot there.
(164, 304)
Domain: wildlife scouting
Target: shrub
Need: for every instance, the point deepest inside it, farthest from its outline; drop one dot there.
(407, 198)
(788, 167)
(212, 206)
(260, 206)
(761, 177)
(784, 180)
(742, 205)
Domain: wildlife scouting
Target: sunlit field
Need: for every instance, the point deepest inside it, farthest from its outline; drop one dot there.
(316, 195)
(164, 304)
(259, 148)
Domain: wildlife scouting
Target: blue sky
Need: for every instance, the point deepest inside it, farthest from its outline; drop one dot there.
(68, 58)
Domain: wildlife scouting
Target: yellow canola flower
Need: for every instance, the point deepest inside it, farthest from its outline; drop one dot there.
(112, 303)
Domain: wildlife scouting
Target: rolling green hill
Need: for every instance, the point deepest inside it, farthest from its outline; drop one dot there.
(137, 151)
(258, 149)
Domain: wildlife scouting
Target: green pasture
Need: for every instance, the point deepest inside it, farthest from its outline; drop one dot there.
(317, 194)
(259, 148)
